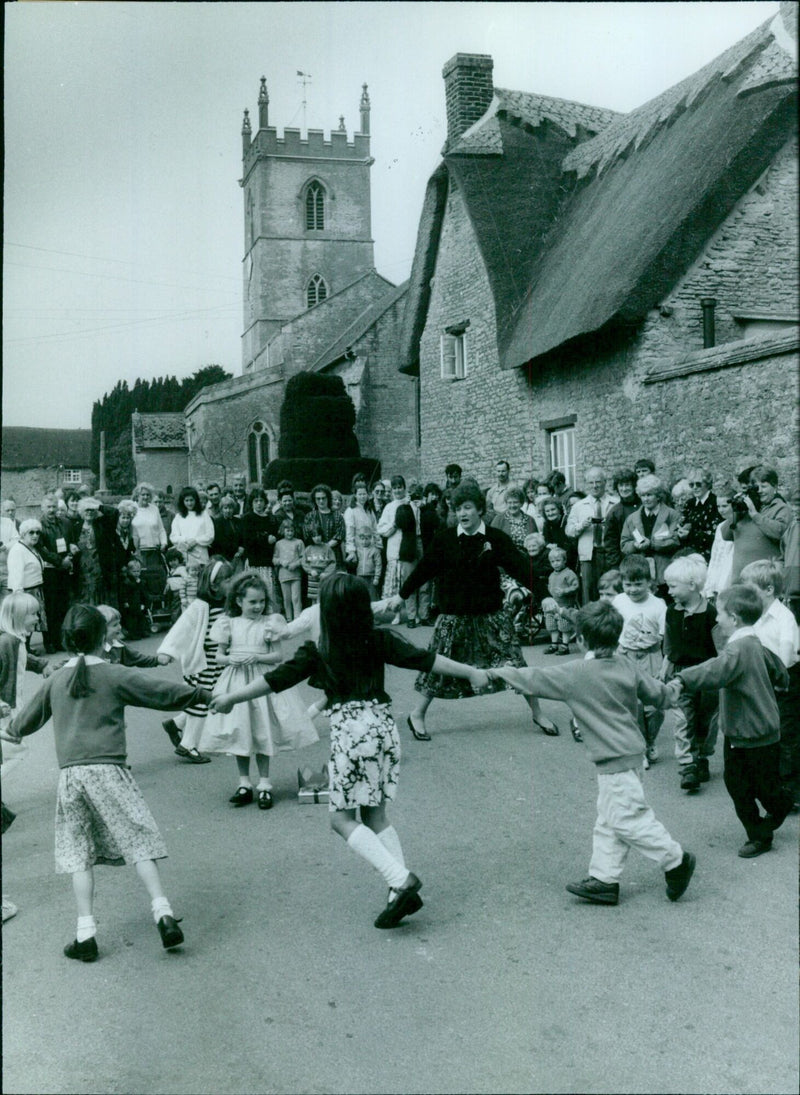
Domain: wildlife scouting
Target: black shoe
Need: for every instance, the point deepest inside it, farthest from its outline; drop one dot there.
(411, 623)
(592, 889)
(171, 934)
(264, 799)
(703, 774)
(403, 904)
(755, 847)
(173, 733)
(552, 731)
(192, 755)
(420, 735)
(84, 952)
(679, 877)
(243, 797)
(690, 778)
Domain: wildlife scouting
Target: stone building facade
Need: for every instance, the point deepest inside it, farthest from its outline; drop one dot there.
(160, 453)
(581, 338)
(38, 461)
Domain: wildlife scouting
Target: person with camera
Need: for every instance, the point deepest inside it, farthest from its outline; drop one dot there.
(760, 518)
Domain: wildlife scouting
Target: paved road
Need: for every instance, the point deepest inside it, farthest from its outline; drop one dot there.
(502, 983)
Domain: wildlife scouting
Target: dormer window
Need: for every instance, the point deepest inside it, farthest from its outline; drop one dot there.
(315, 208)
(317, 291)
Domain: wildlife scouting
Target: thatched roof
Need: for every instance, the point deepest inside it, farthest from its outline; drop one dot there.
(166, 430)
(358, 328)
(29, 447)
(585, 219)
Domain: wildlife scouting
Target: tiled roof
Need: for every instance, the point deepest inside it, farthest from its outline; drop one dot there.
(29, 447)
(358, 328)
(159, 431)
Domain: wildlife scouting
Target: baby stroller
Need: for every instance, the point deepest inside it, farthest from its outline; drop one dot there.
(161, 610)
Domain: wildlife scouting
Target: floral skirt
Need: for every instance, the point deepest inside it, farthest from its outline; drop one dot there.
(101, 817)
(487, 641)
(365, 755)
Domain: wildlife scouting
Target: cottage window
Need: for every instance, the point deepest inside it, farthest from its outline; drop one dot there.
(453, 349)
(316, 291)
(257, 451)
(562, 452)
(315, 208)
(72, 475)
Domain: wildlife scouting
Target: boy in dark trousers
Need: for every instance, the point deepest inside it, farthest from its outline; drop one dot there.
(688, 641)
(603, 692)
(745, 675)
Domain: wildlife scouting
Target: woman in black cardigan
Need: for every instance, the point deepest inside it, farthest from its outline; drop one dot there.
(472, 626)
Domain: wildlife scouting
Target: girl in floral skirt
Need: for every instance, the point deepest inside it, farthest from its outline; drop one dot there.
(101, 816)
(348, 666)
(472, 627)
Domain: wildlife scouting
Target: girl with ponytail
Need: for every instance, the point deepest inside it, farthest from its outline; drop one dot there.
(101, 816)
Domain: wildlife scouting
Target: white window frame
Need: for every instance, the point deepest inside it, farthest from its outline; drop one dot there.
(562, 452)
(454, 356)
(72, 475)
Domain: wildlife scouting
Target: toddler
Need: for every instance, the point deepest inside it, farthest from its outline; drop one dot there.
(559, 608)
(603, 691)
(117, 652)
(644, 617)
(368, 559)
(288, 560)
(688, 640)
(177, 583)
(133, 601)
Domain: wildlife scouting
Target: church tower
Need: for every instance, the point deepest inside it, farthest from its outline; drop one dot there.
(307, 223)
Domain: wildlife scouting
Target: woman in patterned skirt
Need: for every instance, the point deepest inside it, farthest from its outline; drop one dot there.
(472, 627)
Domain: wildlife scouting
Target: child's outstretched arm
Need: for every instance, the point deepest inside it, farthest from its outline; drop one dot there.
(548, 684)
(223, 704)
(478, 678)
(32, 717)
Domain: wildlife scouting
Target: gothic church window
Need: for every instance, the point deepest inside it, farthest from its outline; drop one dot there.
(317, 291)
(315, 208)
(257, 451)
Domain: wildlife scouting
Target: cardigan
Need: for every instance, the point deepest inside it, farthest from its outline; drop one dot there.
(467, 569)
(744, 674)
(663, 541)
(9, 658)
(91, 729)
(307, 664)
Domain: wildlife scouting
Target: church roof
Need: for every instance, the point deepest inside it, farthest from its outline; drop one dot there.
(29, 447)
(585, 218)
(358, 328)
(164, 430)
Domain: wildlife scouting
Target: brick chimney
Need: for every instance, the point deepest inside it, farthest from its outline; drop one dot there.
(468, 89)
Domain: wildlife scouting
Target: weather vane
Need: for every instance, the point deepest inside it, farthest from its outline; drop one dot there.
(305, 79)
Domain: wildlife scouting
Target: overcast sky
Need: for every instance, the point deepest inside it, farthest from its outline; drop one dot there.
(123, 214)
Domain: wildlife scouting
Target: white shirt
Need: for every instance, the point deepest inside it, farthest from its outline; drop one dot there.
(579, 522)
(644, 621)
(461, 531)
(777, 629)
(149, 527)
(386, 527)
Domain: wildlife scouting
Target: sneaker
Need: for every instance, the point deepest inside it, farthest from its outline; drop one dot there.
(690, 778)
(755, 847)
(679, 877)
(703, 774)
(592, 889)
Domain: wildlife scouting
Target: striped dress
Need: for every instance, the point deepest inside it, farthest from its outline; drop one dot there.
(207, 678)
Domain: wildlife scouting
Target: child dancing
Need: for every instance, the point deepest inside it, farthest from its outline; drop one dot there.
(348, 666)
(101, 816)
(603, 691)
(254, 728)
(189, 641)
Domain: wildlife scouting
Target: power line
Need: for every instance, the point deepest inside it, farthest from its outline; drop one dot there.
(99, 258)
(69, 335)
(116, 277)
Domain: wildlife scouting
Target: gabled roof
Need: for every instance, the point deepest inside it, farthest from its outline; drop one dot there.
(656, 184)
(29, 447)
(166, 430)
(358, 328)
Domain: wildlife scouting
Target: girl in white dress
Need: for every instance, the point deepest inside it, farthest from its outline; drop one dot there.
(262, 726)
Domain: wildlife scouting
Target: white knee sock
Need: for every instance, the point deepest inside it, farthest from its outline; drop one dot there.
(87, 928)
(161, 907)
(391, 841)
(366, 844)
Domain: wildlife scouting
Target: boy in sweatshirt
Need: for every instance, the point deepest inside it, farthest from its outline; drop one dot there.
(604, 691)
(745, 675)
